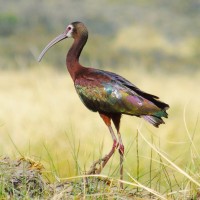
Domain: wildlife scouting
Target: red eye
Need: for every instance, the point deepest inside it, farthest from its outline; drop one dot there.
(69, 28)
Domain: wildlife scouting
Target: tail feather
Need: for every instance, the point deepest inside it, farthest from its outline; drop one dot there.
(156, 118)
(155, 121)
(161, 113)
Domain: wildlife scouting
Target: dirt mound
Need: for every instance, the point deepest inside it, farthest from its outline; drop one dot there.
(24, 179)
(20, 178)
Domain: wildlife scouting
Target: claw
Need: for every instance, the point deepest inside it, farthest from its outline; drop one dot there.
(121, 149)
(95, 169)
(115, 144)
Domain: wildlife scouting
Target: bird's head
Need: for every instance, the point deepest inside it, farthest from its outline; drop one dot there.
(74, 30)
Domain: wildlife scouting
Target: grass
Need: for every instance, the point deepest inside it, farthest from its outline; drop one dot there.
(42, 118)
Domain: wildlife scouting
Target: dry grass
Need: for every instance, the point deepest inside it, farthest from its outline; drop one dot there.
(24, 179)
(42, 117)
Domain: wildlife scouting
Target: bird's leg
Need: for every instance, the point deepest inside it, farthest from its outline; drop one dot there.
(106, 158)
(121, 153)
(103, 161)
(116, 120)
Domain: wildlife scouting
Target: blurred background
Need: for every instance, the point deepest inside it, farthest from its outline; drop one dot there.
(154, 34)
(154, 44)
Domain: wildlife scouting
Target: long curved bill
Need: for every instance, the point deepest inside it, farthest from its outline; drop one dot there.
(54, 41)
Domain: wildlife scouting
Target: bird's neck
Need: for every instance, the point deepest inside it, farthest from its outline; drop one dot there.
(72, 60)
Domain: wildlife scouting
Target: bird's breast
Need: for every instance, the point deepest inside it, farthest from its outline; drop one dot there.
(93, 96)
(102, 97)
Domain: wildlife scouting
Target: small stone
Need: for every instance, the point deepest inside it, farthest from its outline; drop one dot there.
(69, 189)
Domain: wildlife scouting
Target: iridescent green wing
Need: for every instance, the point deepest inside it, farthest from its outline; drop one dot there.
(101, 92)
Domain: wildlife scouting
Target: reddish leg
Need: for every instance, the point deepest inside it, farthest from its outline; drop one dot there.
(106, 158)
(116, 120)
(121, 153)
(103, 161)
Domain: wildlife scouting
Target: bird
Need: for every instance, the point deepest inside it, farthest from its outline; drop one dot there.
(107, 93)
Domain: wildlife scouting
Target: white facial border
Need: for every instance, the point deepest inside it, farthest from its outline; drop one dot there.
(69, 31)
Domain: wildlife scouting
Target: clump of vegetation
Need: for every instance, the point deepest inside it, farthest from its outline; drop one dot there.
(24, 179)
(21, 178)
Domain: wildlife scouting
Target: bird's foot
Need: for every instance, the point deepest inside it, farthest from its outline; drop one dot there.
(98, 165)
(121, 149)
(95, 167)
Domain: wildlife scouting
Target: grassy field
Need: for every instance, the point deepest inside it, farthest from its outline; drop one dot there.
(154, 44)
(43, 118)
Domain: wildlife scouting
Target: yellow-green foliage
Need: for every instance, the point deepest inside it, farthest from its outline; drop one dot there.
(44, 118)
(154, 45)
(146, 38)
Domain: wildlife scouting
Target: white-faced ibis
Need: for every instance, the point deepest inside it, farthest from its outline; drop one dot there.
(107, 93)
